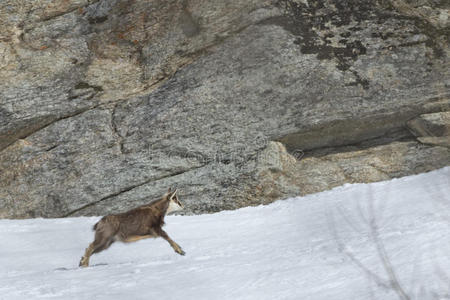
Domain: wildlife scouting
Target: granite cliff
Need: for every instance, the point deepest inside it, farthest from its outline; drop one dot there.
(104, 104)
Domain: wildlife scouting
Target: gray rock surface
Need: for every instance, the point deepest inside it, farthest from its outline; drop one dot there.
(104, 104)
(433, 129)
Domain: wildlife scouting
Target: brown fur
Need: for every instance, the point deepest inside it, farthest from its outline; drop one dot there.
(143, 222)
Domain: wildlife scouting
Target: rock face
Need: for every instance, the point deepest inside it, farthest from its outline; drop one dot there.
(105, 104)
(432, 129)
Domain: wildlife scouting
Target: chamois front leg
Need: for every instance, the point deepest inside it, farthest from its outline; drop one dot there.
(84, 262)
(174, 245)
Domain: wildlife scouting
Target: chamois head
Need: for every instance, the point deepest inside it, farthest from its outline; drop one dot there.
(174, 203)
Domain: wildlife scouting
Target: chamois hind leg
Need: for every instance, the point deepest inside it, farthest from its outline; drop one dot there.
(174, 245)
(100, 243)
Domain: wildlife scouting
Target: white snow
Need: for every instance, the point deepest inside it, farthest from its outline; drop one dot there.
(321, 246)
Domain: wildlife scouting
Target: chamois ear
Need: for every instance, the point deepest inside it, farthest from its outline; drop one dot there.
(173, 194)
(169, 190)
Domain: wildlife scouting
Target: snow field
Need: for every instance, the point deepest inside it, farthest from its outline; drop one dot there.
(331, 245)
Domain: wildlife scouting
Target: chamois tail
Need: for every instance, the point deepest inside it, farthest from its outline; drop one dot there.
(96, 224)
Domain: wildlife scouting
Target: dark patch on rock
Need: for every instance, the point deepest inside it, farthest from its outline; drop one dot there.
(4, 116)
(53, 204)
(359, 81)
(85, 85)
(409, 44)
(355, 28)
(188, 25)
(382, 35)
(307, 20)
(97, 20)
(400, 134)
(98, 12)
(84, 90)
(437, 37)
(225, 161)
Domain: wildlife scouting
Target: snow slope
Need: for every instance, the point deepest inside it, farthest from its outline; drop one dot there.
(329, 245)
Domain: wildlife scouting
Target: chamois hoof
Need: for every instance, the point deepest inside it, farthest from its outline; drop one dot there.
(83, 263)
(181, 252)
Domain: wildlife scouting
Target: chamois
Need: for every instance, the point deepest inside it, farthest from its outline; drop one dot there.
(143, 222)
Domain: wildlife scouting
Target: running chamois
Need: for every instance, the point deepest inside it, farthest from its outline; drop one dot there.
(143, 222)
